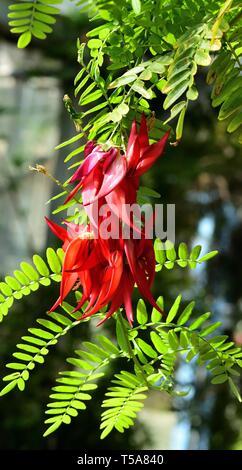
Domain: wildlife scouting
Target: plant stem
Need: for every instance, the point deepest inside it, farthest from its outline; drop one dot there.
(42, 169)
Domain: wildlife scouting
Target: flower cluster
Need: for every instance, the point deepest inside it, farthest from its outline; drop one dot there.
(108, 269)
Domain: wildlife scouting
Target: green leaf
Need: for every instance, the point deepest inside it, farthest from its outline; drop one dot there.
(180, 123)
(183, 251)
(6, 290)
(41, 265)
(146, 348)
(94, 43)
(234, 390)
(175, 94)
(202, 57)
(208, 256)
(173, 340)
(184, 339)
(53, 260)
(141, 314)
(176, 109)
(20, 6)
(93, 348)
(230, 105)
(160, 253)
(235, 123)
(8, 387)
(47, 9)
(170, 251)
(121, 81)
(106, 431)
(219, 379)
(91, 97)
(136, 5)
(115, 115)
(220, 339)
(16, 366)
(192, 93)
(228, 88)
(121, 338)
(50, 325)
(156, 315)
(160, 346)
(23, 356)
(144, 191)
(41, 333)
(108, 345)
(174, 309)
(138, 86)
(195, 252)
(21, 384)
(209, 329)
(13, 283)
(53, 427)
(184, 317)
(24, 40)
(199, 321)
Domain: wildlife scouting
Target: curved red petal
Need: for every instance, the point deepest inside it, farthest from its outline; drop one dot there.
(150, 155)
(57, 230)
(111, 179)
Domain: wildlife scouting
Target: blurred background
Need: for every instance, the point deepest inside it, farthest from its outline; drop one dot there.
(202, 176)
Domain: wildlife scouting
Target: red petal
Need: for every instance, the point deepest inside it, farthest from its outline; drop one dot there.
(69, 279)
(57, 230)
(87, 166)
(111, 279)
(89, 147)
(117, 201)
(116, 303)
(133, 134)
(55, 306)
(87, 263)
(91, 186)
(128, 287)
(112, 177)
(139, 275)
(133, 153)
(143, 133)
(150, 155)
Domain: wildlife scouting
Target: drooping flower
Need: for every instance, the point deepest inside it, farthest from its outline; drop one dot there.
(112, 178)
(107, 270)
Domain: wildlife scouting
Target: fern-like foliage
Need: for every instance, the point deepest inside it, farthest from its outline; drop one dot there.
(32, 18)
(35, 346)
(225, 75)
(154, 362)
(122, 403)
(29, 278)
(143, 63)
(70, 393)
(167, 256)
(194, 34)
(190, 338)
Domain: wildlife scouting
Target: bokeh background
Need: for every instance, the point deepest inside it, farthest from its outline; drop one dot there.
(202, 176)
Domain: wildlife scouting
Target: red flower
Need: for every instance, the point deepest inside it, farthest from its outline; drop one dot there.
(107, 270)
(114, 178)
